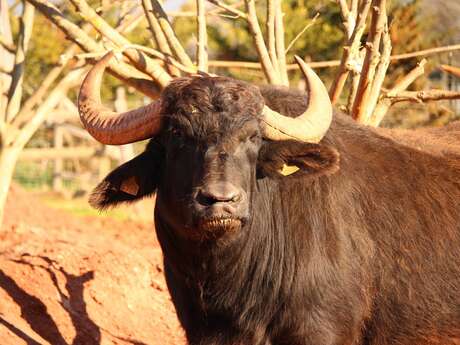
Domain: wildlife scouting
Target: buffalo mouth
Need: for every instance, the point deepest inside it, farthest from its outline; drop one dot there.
(221, 224)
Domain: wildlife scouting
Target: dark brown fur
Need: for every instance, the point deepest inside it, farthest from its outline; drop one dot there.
(361, 246)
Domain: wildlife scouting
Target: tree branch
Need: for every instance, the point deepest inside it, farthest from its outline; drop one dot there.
(202, 44)
(271, 38)
(379, 18)
(4, 71)
(140, 61)
(426, 52)
(280, 45)
(258, 38)
(309, 25)
(130, 21)
(10, 47)
(379, 78)
(424, 96)
(344, 10)
(236, 12)
(120, 70)
(158, 36)
(38, 95)
(26, 23)
(409, 78)
(171, 37)
(72, 79)
(452, 70)
(351, 56)
(6, 63)
(165, 59)
(330, 63)
(71, 30)
(386, 102)
(258, 65)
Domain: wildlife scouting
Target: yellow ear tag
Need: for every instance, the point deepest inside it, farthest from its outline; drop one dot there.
(287, 170)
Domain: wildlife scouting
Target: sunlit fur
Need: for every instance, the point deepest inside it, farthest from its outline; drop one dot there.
(361, 246)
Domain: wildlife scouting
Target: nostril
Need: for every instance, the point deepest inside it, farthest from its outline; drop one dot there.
(223, 154)
(237, 197)
(207, 199)
(213, 195)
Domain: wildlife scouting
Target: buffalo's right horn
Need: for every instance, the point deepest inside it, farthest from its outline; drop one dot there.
(109, 127)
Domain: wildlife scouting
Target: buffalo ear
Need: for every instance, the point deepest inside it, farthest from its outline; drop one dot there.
(293, 159)
(131, 181)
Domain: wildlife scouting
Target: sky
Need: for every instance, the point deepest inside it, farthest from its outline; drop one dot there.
(173, 5)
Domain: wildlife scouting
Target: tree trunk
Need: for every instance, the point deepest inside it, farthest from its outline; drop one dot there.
(58, 162)
(8, 159)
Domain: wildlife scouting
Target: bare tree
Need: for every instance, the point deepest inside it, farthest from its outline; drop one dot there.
(368, 101)
(150, 69)
(20, 119)
(367, 63)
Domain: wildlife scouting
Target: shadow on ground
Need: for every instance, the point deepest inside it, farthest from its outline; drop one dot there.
(35, 312)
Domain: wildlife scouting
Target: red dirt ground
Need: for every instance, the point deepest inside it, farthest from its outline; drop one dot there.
(80, 280)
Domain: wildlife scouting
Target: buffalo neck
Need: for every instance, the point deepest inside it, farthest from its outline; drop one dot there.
(269, 251)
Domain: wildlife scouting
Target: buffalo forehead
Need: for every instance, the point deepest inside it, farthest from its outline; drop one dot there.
(211, 96)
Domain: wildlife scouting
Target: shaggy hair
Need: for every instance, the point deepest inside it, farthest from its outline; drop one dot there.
(227, 103)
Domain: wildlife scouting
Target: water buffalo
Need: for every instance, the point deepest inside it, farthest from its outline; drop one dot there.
(295, 229)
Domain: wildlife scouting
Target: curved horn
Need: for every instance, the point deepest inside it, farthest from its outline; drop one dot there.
(109, 127)
(313, 124)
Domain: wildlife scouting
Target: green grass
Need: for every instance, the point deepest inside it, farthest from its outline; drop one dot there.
(80, 207)
(37, 178)
(31, 175)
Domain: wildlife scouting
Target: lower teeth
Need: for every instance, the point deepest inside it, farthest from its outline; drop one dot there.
(219, 223)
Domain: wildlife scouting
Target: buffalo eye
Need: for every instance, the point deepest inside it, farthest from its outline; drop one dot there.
(176, 132)
(254, 137)
(178, 136)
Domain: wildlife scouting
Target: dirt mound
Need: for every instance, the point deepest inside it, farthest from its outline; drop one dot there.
(80, 280)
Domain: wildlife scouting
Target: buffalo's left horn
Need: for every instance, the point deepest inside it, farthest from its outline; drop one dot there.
(109, 127)
(313, 124)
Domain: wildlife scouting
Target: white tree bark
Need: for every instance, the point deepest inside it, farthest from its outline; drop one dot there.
(6, 59)
(8, 159)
